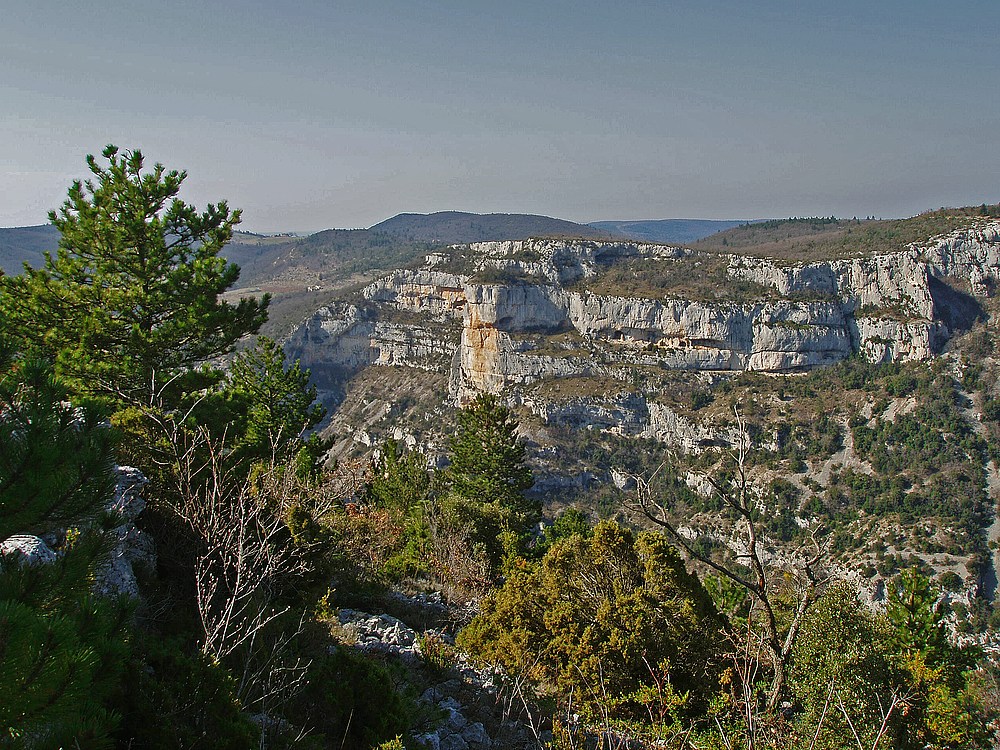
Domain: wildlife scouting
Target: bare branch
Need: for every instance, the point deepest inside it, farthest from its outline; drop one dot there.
(741, 496)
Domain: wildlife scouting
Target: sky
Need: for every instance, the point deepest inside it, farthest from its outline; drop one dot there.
(317, 114)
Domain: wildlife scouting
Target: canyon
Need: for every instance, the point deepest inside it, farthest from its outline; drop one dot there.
(533, 318)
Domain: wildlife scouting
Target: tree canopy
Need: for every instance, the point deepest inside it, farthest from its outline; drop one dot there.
(487, 459)
(61, 648)
(55, 460)
(131, 299)
(857, 672)
(275, 402)
(600, 617)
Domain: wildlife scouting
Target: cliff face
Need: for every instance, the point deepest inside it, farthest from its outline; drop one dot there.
(566, 261)
(441, 295)
(617, 331)
(541, 322)
(595, 374)
(971, 254)
(339, 340)
(895, 280)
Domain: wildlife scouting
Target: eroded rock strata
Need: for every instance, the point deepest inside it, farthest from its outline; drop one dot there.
(544, 323)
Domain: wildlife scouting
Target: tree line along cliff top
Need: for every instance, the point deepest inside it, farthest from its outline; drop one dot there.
(807, 240)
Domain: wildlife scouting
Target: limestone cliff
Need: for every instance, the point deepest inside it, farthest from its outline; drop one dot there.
(604, 380)
(520, 312)
(339, 340)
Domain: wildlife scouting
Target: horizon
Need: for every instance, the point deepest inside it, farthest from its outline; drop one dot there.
(241, 229)
(316, 116)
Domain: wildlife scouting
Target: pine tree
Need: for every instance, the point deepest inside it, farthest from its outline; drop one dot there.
(399, 479)
(942, 709)
(278, 404)
(55, 460)
(61, 649)
(488, 461)
(131, 300)
(917, 623)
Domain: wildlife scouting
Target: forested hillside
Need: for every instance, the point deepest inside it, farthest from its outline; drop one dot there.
(181, 566)
(458, 227)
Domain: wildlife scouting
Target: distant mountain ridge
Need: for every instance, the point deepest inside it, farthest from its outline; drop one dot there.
(19, 245)
(458, 227)
(256, 252)
(669, 231)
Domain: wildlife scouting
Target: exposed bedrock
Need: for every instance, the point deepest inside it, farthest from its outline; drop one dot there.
(490, 336)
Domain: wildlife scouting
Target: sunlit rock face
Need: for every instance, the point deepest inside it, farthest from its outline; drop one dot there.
(542, 324)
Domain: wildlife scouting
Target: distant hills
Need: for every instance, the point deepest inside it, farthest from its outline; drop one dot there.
(818, 238)
(19, 245)
(258, 254)
(303, 273)
(25, 244)
(668, 231)
(406, 237)
(457, 227)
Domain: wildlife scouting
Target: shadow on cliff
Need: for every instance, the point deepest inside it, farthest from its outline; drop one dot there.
(330, 381)
(956, 309)
(988, 579)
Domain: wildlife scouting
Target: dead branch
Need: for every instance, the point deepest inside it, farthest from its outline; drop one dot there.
(741, 496)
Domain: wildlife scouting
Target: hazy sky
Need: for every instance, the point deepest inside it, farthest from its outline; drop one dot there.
(312, 114)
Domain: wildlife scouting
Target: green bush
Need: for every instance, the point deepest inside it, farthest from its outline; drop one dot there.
(176, 699)
(598, 616)
(842, 654)
(353, 700)
(62, 649)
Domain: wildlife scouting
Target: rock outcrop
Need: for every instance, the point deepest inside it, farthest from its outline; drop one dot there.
(971, 254)
(338, 340)
(629, 415)
(28, 549)
(439, 294)
(565, 261)
(895, 281)
(467, 696)
(131, 549)
(539, 322)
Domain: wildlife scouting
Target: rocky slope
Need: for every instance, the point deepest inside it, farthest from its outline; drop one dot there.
(520, 312)
(608, 384)
(130, 549)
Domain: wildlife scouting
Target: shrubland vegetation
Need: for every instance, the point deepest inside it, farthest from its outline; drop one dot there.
(857, 446)
(602, 616)
(701, 277)
(603, 634)
(914, 454)
(347, 251)
(807, 240)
